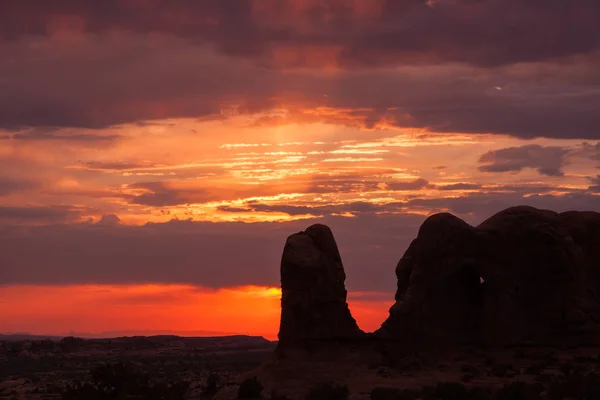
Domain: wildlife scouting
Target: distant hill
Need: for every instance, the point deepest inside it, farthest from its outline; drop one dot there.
(148, 332)
(231, 341)
(25, 336)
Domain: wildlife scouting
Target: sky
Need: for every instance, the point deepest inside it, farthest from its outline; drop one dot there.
(155, 155)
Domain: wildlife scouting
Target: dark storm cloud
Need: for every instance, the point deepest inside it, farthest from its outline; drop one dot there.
(366, 33)
(105, 81)
(547, 160)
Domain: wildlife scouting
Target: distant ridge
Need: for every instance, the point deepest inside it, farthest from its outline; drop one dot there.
(149, 332)
(247, 338)
(25, 336)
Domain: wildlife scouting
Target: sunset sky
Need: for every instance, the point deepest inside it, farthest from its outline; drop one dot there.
(155, 155)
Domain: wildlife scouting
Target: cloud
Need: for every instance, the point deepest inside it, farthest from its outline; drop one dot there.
(471, 205)
(39, 214)
(357, 207)
(589, 151)
(205, 254)
(410, 185)
(459, 186)
(114, 166)
(595, 187)
(161, 194)
(91, 84)
(547, 160)
(11, 185)
(355, 183)
(232, 254)
(39, 134)
(109, 220)
(318, 33)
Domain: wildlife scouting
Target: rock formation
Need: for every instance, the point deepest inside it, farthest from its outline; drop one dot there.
(313, 299)
(523, 275)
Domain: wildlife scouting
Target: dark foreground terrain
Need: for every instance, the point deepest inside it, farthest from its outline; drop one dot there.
(170, 368)
(509, 373)
(167, 367)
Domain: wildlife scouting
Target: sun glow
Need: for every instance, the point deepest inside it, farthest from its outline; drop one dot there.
(142, 309)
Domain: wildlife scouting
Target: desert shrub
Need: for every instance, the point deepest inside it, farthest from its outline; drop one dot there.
(575, 386)
(470, 369)
(445, 391)
(502, 370)
(584, 359)
(550, 357)
(123, 381)
(519, 391)
(544, 377)
(328, 391)
(470, 372)
(535, 369)
(570, 368)
(278, 396)
(450, 391)
(211, 386)
(480, 393)
(70, 344)
(250, 388)
(519, 353)
(567, 368)
(386, 393)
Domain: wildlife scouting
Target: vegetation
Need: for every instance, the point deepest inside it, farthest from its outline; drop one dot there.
(519, 391)
(328, 391)
(211, 386)
(250, 388)
(123, 381)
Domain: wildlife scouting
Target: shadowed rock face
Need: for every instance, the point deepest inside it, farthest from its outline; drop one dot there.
(540, 270)
(313, 300)
(541, 273)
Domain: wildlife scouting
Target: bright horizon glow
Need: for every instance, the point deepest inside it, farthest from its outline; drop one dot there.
(125, 310)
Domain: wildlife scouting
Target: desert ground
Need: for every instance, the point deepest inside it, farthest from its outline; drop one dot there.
(205, 368)
(42, 369)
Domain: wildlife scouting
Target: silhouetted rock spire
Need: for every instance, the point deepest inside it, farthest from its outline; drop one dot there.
(313, 302)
